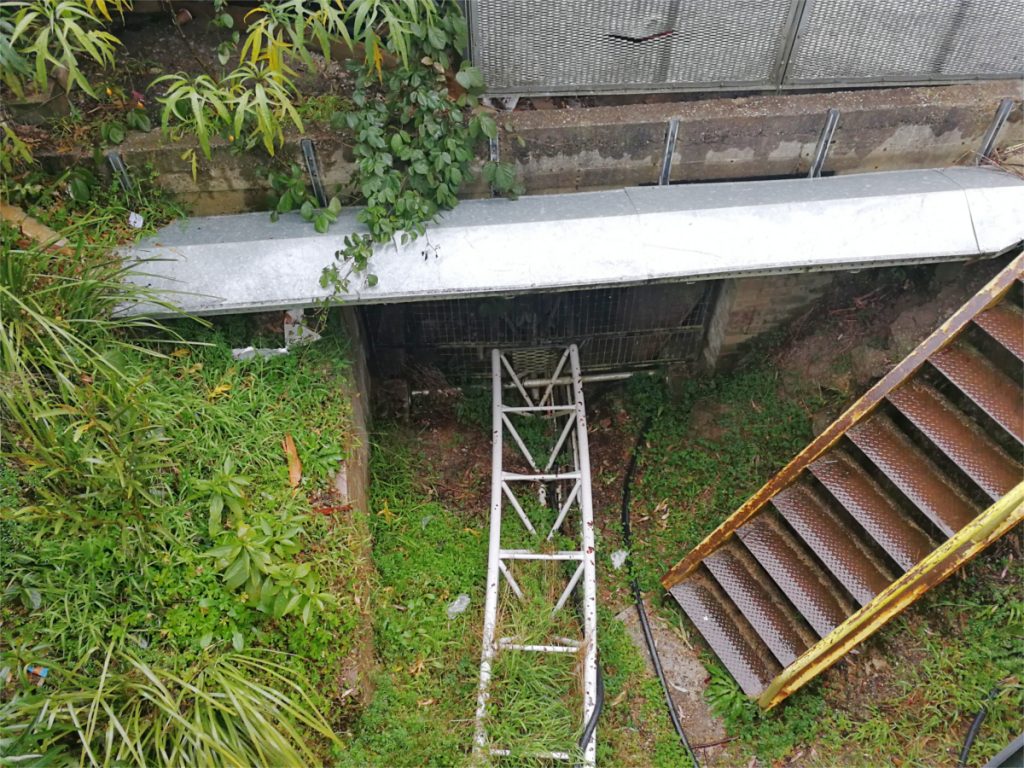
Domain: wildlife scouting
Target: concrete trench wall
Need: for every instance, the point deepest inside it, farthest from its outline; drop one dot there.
(581, 148)
(753, 306)
(756, 136)
(353, 484)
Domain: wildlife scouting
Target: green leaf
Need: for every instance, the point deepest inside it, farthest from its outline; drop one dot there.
(237, 641)
(237, 572)
(488, 126)
(436, 37)
(206, 640)
(79, 190)
(224, 552)
(35, 598)
(334, 206)
(280, 604)
(306, 211)
(469, 78)
(321, 223)
(216, 514)
(396, 143)
(371, 280)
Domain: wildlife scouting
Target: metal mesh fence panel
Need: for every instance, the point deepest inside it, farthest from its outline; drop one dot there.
(907, 40)
(431, 342)
(547, 47)
(531, 46)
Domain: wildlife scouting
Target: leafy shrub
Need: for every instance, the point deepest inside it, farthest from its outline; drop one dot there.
(57, 34)
(249, 106)
(414, 137)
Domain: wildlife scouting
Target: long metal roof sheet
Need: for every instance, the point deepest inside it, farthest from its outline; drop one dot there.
(245, 262)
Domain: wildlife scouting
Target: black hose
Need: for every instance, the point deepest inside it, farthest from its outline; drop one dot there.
(588, 732)
(591, 726)
(972, 732)
(627, 537)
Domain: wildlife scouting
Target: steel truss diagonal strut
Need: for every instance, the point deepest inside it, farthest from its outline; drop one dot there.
(562, 484)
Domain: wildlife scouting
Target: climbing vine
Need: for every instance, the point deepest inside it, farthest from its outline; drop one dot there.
(414, 129)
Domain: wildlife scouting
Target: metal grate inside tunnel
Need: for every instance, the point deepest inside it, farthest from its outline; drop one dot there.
(435, 343)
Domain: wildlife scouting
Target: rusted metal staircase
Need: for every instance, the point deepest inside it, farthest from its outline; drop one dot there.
(914, 479)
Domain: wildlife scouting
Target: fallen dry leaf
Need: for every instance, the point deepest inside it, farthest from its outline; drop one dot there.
(294, 464)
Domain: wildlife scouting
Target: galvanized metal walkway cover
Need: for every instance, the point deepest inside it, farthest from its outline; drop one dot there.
(240, 263)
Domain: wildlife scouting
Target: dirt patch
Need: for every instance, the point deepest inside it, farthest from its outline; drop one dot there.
(686, 676)
(460, 460)
(866, 324)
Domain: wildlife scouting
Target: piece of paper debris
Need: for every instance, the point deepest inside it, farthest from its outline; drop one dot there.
(619, 558)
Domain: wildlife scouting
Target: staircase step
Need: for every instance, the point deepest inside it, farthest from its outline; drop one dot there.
(835, 542)
(807, 585)
(989, 388)
(1004, 323)
(958, 437)
(871, 506)
(730, 636)
(910, 470)
(763, 605)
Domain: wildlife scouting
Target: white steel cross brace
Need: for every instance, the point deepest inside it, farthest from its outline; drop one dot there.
(575, 485)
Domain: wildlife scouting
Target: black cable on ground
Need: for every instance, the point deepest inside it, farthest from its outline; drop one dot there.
(591, 726)
(588, 732)
(627, 538)
(972, 732)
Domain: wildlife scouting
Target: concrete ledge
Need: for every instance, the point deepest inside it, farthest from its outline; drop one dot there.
(246, 263)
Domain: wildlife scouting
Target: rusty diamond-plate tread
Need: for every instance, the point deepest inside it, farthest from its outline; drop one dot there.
(958, 437)
(730, 636)
(808, 586)
(834, 541)
(916, 475)
(775, 622)
(869, 504)
(988, 387)
(1004, 323)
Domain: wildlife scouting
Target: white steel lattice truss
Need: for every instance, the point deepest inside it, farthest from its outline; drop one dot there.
(556, 398)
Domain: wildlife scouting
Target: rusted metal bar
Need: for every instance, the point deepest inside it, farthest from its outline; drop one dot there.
(999, 518)
(981, 301)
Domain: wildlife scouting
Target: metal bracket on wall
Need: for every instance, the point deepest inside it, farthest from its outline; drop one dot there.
(824, 141)
(313, 169)
(120, 170)
(494, 150)
(988, 141)
(670, 147)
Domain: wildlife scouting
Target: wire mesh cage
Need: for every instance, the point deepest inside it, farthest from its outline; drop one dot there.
(431, 342)
(913, 40)
(531, 46)
(545, 47)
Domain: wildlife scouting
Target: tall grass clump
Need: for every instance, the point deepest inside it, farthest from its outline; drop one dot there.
(125, 638)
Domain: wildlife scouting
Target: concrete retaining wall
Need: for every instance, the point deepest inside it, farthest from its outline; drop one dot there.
(752, 306)
(756, 136)
(577, 148)
(353, 484)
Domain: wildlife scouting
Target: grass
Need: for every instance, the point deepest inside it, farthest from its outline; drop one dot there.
(910, 692)
(426, 555)
(709, 446)
(189, 603)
